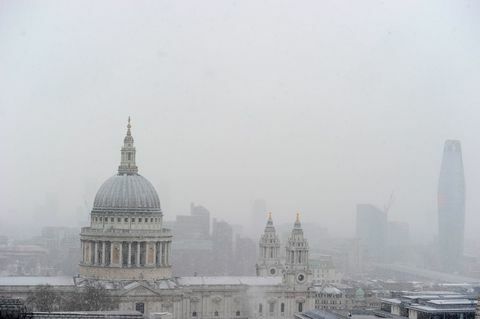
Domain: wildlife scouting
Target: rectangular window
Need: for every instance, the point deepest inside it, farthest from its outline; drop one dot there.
(112, 219)
(151, 220)
(133, 220)
(140, 307)
(126, 220)
(139, 220)
(119, 219)
(272, 307)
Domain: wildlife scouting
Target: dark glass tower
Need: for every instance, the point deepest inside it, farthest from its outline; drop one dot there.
(451, 207)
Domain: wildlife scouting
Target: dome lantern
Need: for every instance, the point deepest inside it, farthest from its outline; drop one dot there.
(127, 162)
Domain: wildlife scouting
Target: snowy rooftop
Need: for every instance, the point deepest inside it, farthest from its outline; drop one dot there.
(452, 302)
(328, 290)
(423, 308)
(34, 280)
(229, 280)
(394, 301)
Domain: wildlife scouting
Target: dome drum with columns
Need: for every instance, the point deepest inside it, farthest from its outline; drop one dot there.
(126, 239)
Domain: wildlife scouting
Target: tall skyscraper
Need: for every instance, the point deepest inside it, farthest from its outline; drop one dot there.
(372, 231)
(451, 207)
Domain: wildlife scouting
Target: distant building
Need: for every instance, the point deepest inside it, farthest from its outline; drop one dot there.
(324, 270)
(193, 226)
(244, 256)
(371, 230)
(222, 241)
(451, 207)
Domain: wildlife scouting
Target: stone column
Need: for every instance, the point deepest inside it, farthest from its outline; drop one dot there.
(111, 253)
(120, 255)
(83, 251)
(138, 254)
(129, 254)
(162, 248)
(168, 254)
(103, 253)
(154, 258)
(158, 254)
(95, 255)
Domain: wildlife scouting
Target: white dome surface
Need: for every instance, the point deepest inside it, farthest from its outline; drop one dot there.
(127, 193)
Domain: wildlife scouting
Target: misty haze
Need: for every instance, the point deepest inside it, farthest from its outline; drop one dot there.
(239, 159)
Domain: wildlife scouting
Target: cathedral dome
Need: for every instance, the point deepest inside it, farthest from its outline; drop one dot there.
(127, 193)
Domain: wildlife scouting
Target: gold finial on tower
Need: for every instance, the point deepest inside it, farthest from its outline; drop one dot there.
(298, 217)
(270, 215)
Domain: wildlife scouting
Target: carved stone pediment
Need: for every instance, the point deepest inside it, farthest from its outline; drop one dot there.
(217, 299)
(140, 291)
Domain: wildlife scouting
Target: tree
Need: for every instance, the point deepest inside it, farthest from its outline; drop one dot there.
(92, 297)
(44, 298)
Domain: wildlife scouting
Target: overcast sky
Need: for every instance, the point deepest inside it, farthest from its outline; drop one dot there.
(314, 106)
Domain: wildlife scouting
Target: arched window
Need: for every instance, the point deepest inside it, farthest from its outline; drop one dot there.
(194, 314)
(300, 306)
(216, 314)
(237, 313)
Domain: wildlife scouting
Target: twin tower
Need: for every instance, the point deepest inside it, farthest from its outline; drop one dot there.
(294, 266)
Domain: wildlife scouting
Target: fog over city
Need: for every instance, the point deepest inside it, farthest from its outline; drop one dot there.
(312, 106)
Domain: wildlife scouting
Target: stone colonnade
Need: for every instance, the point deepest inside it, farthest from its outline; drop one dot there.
(126, 253)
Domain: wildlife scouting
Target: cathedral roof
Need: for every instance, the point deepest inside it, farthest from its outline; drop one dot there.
(127, 192)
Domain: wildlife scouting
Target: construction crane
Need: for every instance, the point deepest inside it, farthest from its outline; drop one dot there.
(389, 203)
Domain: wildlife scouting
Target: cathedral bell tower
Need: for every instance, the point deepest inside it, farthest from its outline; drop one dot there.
(297, 270)
(269, 262)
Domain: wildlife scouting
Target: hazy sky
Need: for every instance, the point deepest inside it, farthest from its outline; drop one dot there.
(312, 105)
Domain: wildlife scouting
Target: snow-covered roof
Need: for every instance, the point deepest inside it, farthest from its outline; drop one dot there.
(453, 302)
(36, 280)
(393, 301)
(229, 280)
(328, 290)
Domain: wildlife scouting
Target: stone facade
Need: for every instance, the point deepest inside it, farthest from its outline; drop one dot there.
(126, 239)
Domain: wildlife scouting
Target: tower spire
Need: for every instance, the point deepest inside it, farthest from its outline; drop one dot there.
(297, 221)
(127, 161)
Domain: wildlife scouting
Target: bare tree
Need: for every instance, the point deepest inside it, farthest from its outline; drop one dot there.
(44, 298)
(92, 297)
